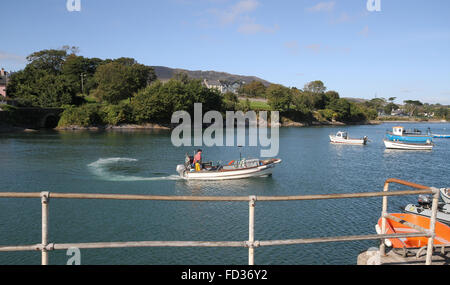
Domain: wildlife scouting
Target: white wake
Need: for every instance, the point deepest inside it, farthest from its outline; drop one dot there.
(100, 169)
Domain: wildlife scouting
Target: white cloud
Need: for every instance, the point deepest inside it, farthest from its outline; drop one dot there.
(322, 7)
(239, 14)
(254, 28)
(234, 12)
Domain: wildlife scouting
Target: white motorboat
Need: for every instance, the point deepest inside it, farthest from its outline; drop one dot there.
(234, 170)
(407, 146)
(343, 138)
(445, 195)
(423, 208)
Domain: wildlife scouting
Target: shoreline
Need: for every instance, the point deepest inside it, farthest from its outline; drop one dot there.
(5, 128)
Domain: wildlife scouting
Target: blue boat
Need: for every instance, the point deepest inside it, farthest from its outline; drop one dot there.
(441, 136)
(399, 134)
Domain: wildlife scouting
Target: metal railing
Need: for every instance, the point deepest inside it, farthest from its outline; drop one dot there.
(45, 247)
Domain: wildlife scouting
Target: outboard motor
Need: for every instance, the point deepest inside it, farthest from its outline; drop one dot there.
(180, 169)
(424, 201)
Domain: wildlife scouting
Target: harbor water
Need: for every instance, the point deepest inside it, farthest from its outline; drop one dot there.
(143, 162)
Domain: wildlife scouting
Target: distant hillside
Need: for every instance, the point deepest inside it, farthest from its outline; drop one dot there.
(166, 73)
(356, 100)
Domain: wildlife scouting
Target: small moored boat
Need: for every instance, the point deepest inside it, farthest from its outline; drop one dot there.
(407, 146)
(234, 170)
(399, 134)
(441, 136)
(445, 195)
(343, 138)
(423, 208)
(393, 227)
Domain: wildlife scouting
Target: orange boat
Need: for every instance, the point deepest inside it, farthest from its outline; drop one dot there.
(393, 227)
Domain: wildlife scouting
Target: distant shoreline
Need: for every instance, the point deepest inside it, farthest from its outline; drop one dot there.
(4, 128)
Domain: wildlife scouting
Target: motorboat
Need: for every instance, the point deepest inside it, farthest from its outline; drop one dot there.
(392, 227)
(244, 168)
(445, 195)
(408, 145)
(399, 134)
(423, 208)
(343, 138)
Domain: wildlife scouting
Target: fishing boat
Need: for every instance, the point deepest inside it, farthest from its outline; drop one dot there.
(343, 138)
(234, 170)
(423, 208)
(445, 195)
(393, 227)
(408, 146)
(441, 136)
(399, 134)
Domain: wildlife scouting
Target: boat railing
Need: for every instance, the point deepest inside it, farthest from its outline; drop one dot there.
(45, 246)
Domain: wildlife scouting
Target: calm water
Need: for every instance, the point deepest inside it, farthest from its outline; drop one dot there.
(143, 162)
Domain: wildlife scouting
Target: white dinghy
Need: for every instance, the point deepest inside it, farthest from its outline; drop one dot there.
(234, 170)
(343, 138)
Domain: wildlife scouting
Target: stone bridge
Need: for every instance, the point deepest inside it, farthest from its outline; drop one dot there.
(34, 118)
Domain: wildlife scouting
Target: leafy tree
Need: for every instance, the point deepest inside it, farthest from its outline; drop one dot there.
(390, 107)
(230, 101)
(39, 88)
(315, 87)
(76, 66)
(331, 95)
(412, 107)
(342, 108)
(279, 97)
(253, 89)
(158, 101)
(49, 60)
(119, 79)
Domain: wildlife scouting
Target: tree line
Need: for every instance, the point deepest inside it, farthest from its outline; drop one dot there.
(96, 91)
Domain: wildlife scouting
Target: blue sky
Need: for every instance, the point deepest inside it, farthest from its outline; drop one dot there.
(401, 51)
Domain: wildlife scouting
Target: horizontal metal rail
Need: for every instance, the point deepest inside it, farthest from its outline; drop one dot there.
(211, 198)
(251, 244)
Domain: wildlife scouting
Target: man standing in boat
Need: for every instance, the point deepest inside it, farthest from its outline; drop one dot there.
(198, 160)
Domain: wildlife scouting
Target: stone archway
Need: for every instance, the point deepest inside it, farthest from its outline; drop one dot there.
(50, 121)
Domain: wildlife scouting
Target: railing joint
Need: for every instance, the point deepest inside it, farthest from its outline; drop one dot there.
(45, 197)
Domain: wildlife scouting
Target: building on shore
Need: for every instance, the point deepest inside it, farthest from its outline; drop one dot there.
(3, 82)
(213, 84)
(223, 86)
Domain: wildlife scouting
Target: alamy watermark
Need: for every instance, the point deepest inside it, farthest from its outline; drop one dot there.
(374, 5)
(75, 256)
(258, 134)
(73, 5)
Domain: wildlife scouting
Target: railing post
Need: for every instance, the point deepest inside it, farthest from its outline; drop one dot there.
(432, 230)
(383, 219)
(44, 202)
(251, 231)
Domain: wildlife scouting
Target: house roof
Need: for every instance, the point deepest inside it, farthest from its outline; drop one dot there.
(213, 82)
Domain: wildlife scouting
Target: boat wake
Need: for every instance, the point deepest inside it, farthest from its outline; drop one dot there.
(105, 169)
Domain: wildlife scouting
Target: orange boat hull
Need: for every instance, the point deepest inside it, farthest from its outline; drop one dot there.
(393, 227)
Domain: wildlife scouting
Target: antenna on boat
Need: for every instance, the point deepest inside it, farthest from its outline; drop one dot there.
(240, 152)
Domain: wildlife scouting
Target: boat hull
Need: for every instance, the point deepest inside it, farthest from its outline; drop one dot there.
(409, 138)
(441, 216)
(392, 227)
(337, 140)
(407, 146)
(259, 171)
(441, 136)
(445, 195)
